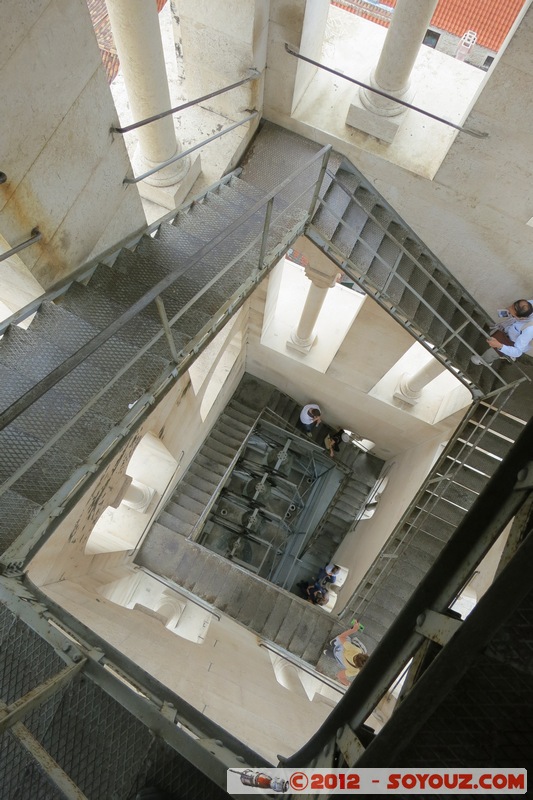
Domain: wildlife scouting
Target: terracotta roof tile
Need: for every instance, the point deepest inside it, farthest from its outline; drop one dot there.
(490, 19)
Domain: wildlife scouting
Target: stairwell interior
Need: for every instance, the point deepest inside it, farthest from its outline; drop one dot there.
(75, 425)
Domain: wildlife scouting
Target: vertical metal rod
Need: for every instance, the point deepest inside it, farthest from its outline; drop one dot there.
(166, 327)
(325, 159)
(266, 229)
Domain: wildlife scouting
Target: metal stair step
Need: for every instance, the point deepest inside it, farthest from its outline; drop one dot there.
(349, 230)
(211, 580)
(380, 614)
(16, 512)
(474, 457)
(325, 627)
(432, 526)
(334, 203)
(500, 421)
(40, 482)
(33, 357)
(442, 508)
(368, 243)
(189, 486)
(290, 624)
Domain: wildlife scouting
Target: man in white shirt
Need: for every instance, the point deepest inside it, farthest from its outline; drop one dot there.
(517, 327)
(310, 416)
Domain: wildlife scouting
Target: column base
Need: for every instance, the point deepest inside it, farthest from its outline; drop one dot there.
(404, 393)
(384, 128)
(172, 196)
(300, 345)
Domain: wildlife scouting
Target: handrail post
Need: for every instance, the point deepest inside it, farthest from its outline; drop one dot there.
(325, 159)
(166, 327)
(266, 229)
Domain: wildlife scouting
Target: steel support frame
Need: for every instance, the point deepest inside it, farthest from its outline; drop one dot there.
(206, 745)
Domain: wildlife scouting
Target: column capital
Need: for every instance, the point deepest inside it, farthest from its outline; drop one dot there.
(322, 277)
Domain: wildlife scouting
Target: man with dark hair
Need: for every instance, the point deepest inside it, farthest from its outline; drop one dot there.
(513, 336)
(309, 417)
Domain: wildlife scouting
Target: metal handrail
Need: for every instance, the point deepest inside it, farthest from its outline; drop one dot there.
(190, 150)
(442, 481)
(498, 503)
(36, 235)
(82, 273)
(345, 264)
(183, 106)
(53, 377)
(469, 131)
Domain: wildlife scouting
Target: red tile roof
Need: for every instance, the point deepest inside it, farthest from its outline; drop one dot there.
(490, 19)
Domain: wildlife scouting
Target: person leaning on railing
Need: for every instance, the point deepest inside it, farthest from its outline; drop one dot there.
(512, 337)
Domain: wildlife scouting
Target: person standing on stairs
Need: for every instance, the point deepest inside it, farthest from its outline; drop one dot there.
(349, 652)
(512, 336)
(309, 417)
(328, 574)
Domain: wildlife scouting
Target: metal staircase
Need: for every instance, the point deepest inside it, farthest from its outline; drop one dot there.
(361, 233)
(89, 369)
(93, 362)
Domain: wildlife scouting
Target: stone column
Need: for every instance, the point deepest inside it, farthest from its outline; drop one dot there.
(137, 37)
(410, 385)
(372, 113)
(303, 338)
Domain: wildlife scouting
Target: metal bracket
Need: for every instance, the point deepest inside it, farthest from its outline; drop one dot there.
(350, 745)
(437, 627)
(524, 479)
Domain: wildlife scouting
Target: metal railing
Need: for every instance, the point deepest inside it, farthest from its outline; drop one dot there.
(127, 128)
(455, 331)
(35, 236)
(177, 109)
(46, 519)
(432, 490)
(504, 495)
(470, 131)
(187, 152)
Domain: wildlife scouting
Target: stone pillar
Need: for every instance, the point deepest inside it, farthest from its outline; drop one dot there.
(410, 385)
(372, 113)
(303, 338)
(137, 36)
